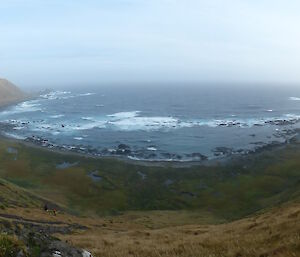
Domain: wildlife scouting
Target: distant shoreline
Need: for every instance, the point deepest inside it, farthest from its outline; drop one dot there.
(222, 159)
(10, 94)
(161, 163)
(4, 105)
(158, 163)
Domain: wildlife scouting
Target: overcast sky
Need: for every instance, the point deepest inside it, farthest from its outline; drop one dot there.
(75, 42)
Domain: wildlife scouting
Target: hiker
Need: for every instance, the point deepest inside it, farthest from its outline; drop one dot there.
(45, 207)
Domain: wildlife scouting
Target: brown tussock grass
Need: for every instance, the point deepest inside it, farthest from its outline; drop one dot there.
(273, 233)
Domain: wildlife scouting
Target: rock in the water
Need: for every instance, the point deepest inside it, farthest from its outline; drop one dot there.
(199, 156)
(123, 147)
(220, 151)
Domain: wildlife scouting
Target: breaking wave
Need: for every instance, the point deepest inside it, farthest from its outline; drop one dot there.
(292, 98)
(134, 121)
(63, 95)
(28, 106)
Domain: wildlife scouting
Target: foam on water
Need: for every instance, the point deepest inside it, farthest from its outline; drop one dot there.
(130, 121)
(63, 95)
(11, 135)
(174, 125)
(146, 123)
(151, 148)
(28, 106)
(122, 115)
(57, 95)
(134, 121)
(88, 118)
(293, 98)
(291, 116)
(18, 128)
(57, 116)
(86, 94)
(89, 125)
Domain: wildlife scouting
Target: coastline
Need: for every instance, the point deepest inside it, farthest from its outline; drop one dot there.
(11, 103)
(27, 97)
(223, 160)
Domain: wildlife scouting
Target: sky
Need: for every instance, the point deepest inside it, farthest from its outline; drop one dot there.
(49, 43)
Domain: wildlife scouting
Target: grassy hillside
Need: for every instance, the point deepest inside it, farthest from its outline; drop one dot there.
(246, 207)
(271, 232)
(13, 196)
(9, 93)
(25, 233)
(108, 186)
(26, 227)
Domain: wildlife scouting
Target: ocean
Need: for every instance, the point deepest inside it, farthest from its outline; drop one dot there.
(157, 123)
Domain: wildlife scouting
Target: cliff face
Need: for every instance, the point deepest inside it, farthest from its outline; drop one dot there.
(9, 93)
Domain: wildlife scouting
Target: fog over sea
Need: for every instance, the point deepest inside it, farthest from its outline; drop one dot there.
(171, 124)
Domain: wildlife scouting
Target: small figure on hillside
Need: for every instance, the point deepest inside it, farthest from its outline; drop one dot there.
(45, 207)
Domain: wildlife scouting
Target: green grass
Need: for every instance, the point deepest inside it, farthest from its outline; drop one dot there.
(10, 246)
(229, 191)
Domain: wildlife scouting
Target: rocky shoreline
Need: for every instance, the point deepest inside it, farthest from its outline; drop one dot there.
(281, 131)
(144, 156)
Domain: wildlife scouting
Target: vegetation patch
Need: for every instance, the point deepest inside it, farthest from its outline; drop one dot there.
(10, 246)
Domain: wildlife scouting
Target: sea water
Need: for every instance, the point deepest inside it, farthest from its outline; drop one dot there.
(174, 123)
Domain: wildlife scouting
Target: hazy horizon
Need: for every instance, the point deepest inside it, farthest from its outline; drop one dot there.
(73, 43)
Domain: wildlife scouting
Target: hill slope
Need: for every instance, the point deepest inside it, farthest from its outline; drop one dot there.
(247, 207)
(272, 232)
(9, 92)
